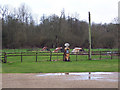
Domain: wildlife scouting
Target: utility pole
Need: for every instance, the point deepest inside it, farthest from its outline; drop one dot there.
(89, 55)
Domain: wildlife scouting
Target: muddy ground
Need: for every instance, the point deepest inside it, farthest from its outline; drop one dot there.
(61, 80)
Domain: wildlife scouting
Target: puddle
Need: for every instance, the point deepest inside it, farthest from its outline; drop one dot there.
(51, 74)
(107, 76)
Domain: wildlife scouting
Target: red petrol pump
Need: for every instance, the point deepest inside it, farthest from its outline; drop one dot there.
(67, 52)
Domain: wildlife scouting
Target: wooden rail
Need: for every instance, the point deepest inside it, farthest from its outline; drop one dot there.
(51, 54)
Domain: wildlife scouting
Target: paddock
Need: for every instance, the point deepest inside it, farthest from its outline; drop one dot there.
(37, 56)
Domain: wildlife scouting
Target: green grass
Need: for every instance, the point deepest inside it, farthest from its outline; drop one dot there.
(25, 50)
(44, 65)
(60, 66)
(108, 65)
(46, 57)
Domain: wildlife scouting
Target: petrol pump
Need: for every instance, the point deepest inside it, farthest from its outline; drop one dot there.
(67, 52)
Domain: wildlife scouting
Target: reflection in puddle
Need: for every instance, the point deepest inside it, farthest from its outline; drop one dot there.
(51, 74)
(107, 76)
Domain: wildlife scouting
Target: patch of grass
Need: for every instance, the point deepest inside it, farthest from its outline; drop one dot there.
(38, 49)
(81, 64)
(60, 66)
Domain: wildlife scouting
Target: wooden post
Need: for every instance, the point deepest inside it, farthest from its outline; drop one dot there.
(76, 56)
(5, 58)
(36, 56)
(100, 55)
(63, 56)
(57, 56)
(111, 54)
(89, 55)
(21, 56)
(50, 55)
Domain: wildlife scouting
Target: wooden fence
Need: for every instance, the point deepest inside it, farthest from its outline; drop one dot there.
(100, 54)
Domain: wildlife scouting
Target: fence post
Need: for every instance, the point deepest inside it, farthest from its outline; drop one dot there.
(63, 56)
(111, 54)
(5, 58)
(57, 56)
(36, 56)
(76, 56)
(100, 55)
(21, 56)
(50, 55)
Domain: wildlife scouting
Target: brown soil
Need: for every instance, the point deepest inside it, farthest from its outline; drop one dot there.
(31, 80)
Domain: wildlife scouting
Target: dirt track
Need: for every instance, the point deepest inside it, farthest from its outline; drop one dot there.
(32, 80)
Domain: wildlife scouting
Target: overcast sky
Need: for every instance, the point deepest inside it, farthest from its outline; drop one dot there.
(102, 11)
